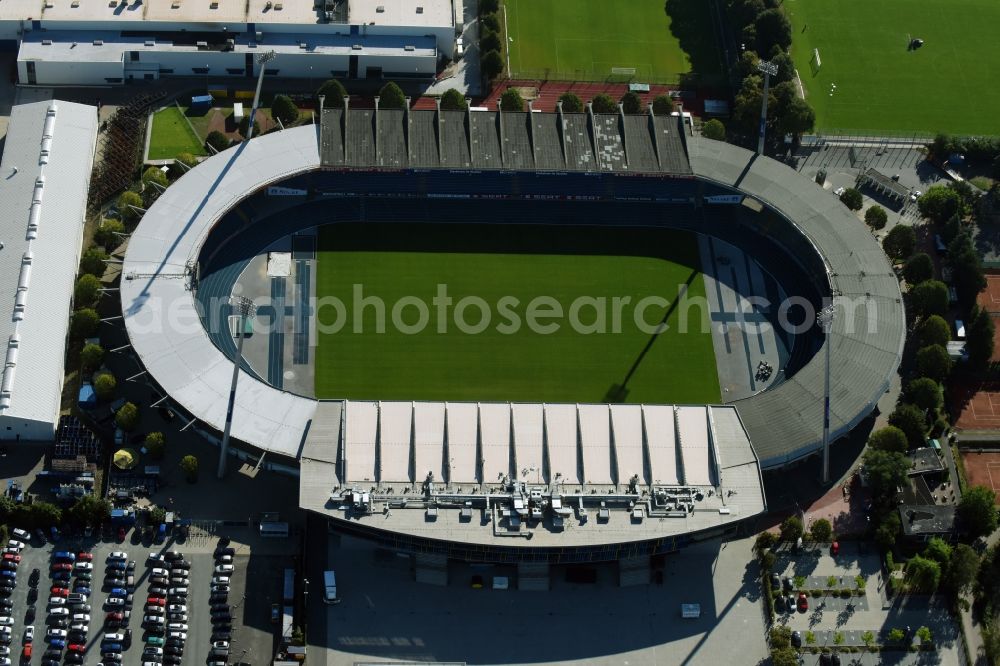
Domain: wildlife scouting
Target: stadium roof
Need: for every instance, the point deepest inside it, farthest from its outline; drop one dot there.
(559, 474)
(44, 179)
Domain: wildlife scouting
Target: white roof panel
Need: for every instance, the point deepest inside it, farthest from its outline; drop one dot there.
(595, 438)
(463, 426)
(658, 420)
(428, 440)
(395, 432)
(693, 424)
(494, 429)
(528, 445)
(359, 440)
(560, 433)
(626, 421)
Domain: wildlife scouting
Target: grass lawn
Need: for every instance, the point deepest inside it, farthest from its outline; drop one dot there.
(171, 135)
(583, 39)
(504, 362)
(948, 85)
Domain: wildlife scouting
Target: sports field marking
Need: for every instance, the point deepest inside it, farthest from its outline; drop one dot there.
(989, 470)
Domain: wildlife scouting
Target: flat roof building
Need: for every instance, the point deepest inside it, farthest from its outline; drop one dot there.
(46, 165)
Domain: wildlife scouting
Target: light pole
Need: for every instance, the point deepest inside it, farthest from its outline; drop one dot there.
(262, 60)
(245, 308)
(322, 98)
(825, 319)
(769, 69)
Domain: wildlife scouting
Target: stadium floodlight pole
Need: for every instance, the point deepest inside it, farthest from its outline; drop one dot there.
(825, 319)
(245, 308)
(262, 60)
(769, 69)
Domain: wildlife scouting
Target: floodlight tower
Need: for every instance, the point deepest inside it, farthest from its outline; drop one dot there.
(246, 310)
(825, 319)
(262, 60)
(769, 69)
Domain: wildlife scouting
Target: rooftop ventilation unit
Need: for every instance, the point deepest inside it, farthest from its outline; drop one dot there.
(213, 5)
(46, 42)
(380, 9)
(150, 42)
(357, 47)
(420, 10)
(303, 45)
(409, 47)
(98, 42)
(278, 7)
(75, 4)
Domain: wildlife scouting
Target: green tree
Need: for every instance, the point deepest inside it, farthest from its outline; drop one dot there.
(489, 40)
(283, 109)
(922, 574)
(127, 417)
(189, 465)
(939, 203)
(244, 127)
(89, 510)
(795, 117)
(157, 515)
(821, 530)
(604, 103)
(127, 202)
(391, 96)
(663, 105)
(84, 323)
(217, 141)
(333, 93)
(930, 297)
(45, 514)
(785, 656)
(714, 129)
(977, 511)
(511, 100)
(886, 471)
(92, 261)
(897, 635)
(991, 635)
(156, 445)
(791, 528)
(876, 217)
(900, 241)
(962, 568)
(967, 269)
(919, 268)
(631, 103)
(852, 199)
(107, 235)
(571, 103)
(937, 549)
(888, 530)
(781, 637)
(491, 64)
(933, 330)
(91, 357)
(453, 100)
(934, 362)
(490, 21)
(773, 29)
(910, 419)
(889, 438)
(154, 175)
(925, 393)
(87, 291)
(868, 638)
(924, 634)
(979, 337)
(104, 386)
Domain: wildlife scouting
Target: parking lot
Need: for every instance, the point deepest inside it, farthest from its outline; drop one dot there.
(30, 603)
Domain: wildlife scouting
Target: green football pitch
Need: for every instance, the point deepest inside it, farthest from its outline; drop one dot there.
(587, 40)
(948, 85)
(580, 360)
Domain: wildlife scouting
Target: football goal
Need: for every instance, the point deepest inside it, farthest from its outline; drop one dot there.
(815, 63)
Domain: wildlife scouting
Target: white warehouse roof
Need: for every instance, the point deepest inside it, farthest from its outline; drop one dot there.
(44, 180)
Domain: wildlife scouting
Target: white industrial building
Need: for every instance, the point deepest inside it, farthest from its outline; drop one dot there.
(44, 179)
(102, 42)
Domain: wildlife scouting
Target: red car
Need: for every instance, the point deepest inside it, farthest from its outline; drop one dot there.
(834, 547)
(59, 592)
(115, 615)
(121, 534)
(803, 602)
(27, 651)
(156, 601)
(76, 647)
(84, 557)
(62, 566)
(11, 557)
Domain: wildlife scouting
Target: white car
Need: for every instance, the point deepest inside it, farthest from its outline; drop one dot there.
(6, 621)
(58, 611)
(156, 571)
(79, 626)
(14, 543)
(180, 635)
(915, 194)
(840, 190)
(114, 601)
(114, 638)
(220, 588)
(177, 608)
(221, 645)
(153, 619)
(118, 555)
(21, 534)
(177, 626)
(224, 569)
(57, 601)
(29, 633)
(81, 618)
(224, 559)
(220, 580)
(84, 566)
(178, 591)
(56, 633)
(156, 557)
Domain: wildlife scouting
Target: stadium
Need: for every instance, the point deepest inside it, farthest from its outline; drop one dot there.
(532, 448)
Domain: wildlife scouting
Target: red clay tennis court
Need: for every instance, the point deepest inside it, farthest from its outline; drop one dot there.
(982, 469)
(989, 298)
(976, 407)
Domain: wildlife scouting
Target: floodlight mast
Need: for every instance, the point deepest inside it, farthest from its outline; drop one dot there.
(769, 69)
(825, 319)
(246, 310)
(262, 60)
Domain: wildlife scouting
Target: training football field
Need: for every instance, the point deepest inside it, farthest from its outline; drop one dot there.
(580, 356)
(949, 85)
(586, 40)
